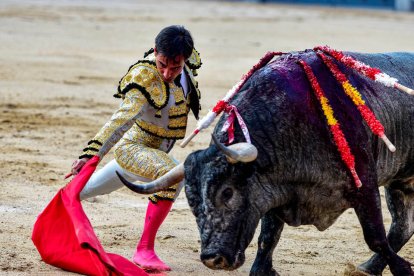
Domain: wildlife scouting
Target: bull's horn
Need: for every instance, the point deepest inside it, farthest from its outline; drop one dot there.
(172, 177)
(240, 152)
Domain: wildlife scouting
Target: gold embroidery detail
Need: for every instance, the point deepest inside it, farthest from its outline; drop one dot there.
(160, 131)
(138, 78)
(164, 194)
(137, 135)
(142, 160)
(147, 76)
(181, 108)
(178, 94)
(177, 110)
(195, 59)
(156, 92)
(138, 153)
(91, 149)
(131, 105)
(178, 122)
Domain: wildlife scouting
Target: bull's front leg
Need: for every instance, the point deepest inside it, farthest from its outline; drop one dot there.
(270, 232)
(368, 209)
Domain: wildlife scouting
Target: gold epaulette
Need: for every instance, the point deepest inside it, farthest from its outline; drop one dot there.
(194, 62)
(145, 77)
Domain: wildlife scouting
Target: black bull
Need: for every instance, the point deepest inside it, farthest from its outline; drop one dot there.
(299, 177)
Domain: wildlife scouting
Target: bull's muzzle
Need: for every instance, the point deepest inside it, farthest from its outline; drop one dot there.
(215, 262)
(219, 260)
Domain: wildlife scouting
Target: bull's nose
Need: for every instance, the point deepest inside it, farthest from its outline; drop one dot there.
(215, 261)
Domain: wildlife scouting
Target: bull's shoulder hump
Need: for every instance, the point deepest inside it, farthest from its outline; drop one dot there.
(396, 56)
(395, 63)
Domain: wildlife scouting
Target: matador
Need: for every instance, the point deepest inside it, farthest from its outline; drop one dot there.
(157, 94)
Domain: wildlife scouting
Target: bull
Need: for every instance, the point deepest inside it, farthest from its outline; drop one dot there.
(292, 172)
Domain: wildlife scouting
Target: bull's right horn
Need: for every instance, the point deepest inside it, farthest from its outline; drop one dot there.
(240, 152)
(170, 178)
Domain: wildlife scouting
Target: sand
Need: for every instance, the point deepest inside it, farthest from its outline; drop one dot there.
(60, 63)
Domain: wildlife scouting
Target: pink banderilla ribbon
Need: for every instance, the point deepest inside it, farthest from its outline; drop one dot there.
(229, 124)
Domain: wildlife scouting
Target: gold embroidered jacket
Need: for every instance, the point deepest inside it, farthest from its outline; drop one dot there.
(149, 105)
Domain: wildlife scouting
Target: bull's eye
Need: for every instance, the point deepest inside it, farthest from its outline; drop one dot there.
(227, 194)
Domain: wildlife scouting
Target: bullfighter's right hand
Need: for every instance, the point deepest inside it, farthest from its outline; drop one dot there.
(77, 166)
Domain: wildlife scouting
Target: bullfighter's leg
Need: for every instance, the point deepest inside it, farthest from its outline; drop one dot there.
(368, 209)
(270, 232)
(401, 206)
(105, 180)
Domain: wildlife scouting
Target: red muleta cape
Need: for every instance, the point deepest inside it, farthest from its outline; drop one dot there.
(64, 236)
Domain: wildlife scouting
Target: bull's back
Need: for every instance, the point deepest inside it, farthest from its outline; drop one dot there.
(284, 115)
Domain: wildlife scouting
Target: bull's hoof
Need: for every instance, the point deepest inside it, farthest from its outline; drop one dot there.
(351, 270)
(270, 272)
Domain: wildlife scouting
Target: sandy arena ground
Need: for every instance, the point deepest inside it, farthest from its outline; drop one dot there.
(60, 62)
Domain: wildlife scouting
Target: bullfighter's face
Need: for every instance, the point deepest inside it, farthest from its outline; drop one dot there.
(169, 68)
(219, 197)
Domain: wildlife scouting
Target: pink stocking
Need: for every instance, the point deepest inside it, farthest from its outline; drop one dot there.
(145, 255)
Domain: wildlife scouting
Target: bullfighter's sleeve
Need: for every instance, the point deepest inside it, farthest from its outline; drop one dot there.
(132, 106)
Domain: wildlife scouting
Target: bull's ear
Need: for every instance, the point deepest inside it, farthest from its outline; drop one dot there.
(240, 152)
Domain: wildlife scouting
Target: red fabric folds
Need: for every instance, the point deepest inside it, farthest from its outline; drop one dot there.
(64, 236)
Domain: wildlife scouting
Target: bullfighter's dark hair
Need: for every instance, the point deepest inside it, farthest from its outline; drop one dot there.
(173, 41)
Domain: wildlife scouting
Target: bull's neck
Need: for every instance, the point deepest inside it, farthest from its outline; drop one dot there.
(267, 194)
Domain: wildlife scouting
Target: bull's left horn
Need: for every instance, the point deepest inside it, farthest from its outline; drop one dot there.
(170, 178)
(240, 152)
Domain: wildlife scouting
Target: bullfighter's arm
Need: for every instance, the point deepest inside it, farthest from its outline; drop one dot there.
(131, 108)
